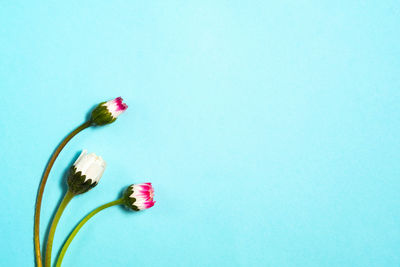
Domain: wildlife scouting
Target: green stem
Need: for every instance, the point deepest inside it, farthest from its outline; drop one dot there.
(67, 198)
(46, 173)
(79, 226)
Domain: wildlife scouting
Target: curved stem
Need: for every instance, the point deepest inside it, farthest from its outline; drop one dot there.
(43, 184)
(79, 226)
(67, 198)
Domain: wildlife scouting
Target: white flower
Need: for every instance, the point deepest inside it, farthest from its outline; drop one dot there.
(90, 165)
(85, 173)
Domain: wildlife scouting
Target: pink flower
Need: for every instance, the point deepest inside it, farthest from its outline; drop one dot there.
(116, 107)
(108, 112)
(139, 196)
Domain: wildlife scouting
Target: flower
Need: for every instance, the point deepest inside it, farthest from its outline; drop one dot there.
(139, 196)
(108, 112)
(85, 173)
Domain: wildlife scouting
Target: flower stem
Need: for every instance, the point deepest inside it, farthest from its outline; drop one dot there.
(79, 226)
(43, 184)
(67, 198)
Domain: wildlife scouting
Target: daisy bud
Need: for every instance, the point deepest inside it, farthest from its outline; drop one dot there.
(85, 173)
(139, 196)
(108, 112)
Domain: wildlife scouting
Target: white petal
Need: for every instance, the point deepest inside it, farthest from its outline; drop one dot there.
(82, 155)
(112, 107)
(91, 165)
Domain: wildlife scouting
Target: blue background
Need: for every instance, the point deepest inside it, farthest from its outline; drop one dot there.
(269, 129)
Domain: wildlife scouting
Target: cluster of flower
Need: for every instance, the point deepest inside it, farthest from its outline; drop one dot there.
(85, 174)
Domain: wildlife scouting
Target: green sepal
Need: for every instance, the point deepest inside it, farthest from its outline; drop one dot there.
(76, 182)
(101, 115)
(130, 200)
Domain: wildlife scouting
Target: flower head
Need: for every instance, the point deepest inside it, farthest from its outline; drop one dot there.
(108, 112)
(139, 196)
(85, 173)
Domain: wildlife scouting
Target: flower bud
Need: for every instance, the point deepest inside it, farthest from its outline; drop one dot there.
(85, 173)
(139, 196)
(108, 112)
